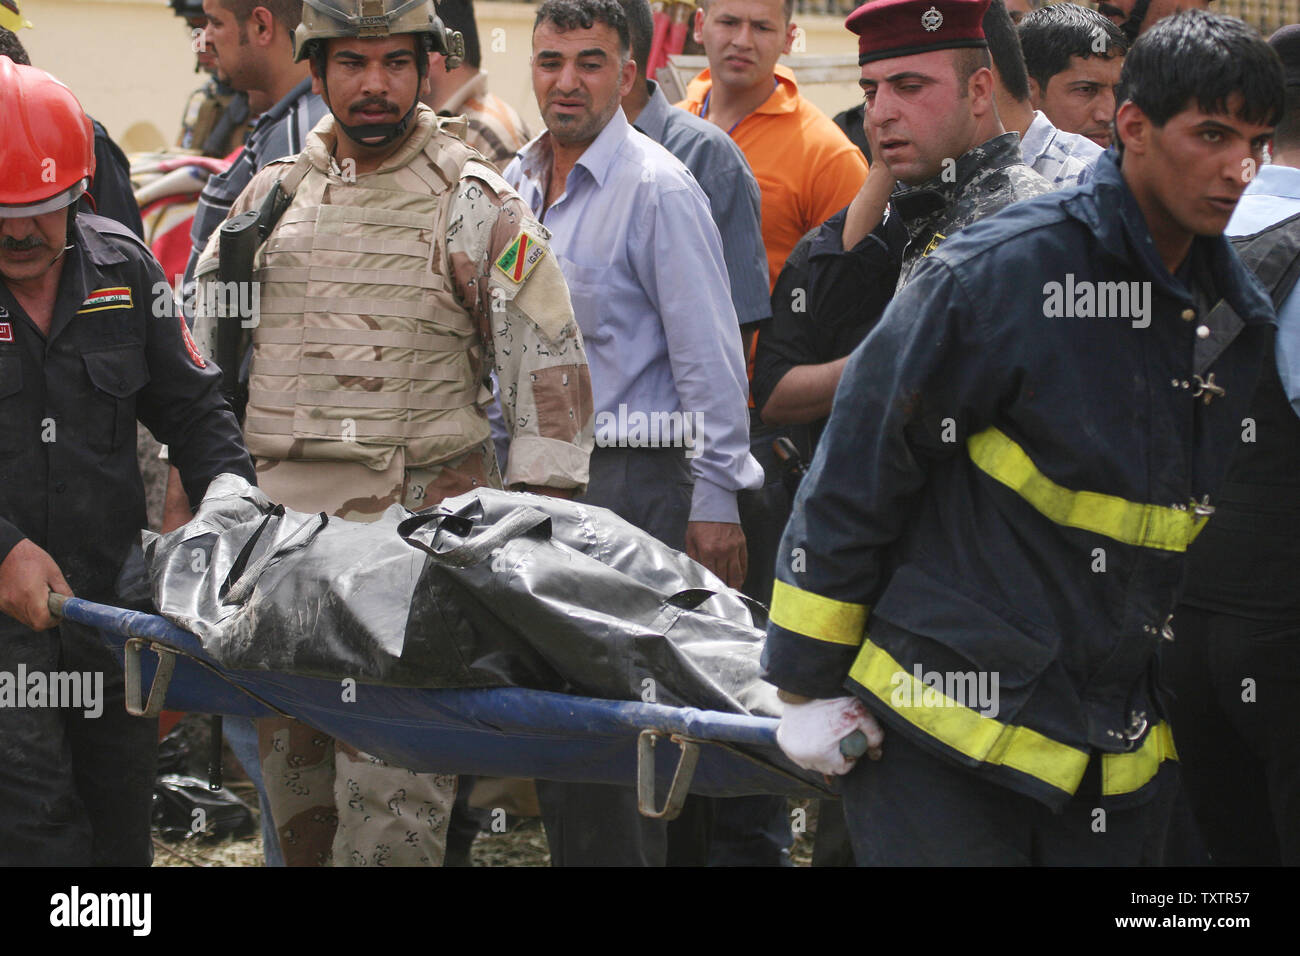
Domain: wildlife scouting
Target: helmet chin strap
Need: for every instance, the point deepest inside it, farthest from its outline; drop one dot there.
(71, 234)
(391, 132)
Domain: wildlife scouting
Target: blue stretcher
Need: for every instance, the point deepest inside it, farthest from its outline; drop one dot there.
(507, 732)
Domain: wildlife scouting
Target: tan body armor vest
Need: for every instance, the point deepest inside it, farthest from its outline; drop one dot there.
(362, 347)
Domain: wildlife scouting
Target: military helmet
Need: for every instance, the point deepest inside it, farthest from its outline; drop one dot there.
(189, 9)
(326, 19)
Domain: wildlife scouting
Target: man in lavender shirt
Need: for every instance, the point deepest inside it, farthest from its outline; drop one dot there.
(644, 265)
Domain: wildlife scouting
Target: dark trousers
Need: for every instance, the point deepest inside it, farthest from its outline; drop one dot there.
(75, 790)
(1235, 689)
(755, 830)
(912, 808)
(597, 824)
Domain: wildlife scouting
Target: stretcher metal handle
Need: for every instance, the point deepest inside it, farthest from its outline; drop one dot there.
(645, 775)
(162, 677)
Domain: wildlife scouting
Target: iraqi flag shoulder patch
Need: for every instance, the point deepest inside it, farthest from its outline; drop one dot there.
(520, 258)
(118, 297)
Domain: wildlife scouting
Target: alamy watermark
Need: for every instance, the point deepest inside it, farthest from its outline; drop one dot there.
(637, 429)
(77, 909)
(1098, 300)
(74, 690)
(976, 690)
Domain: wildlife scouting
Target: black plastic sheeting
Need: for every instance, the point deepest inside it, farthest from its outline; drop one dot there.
(489, 589)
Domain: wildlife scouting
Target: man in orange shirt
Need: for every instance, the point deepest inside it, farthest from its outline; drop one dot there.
(807, 170)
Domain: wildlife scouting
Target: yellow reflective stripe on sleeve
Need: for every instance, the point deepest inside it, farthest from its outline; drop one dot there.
(965, 730)
(1124, 773)
(821, 618)
(1142, 525)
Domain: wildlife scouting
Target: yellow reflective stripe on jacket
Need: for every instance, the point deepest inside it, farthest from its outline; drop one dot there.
(1124, 773)
(965, 730)
(821, 618)
(1143, 525)
(990, 741)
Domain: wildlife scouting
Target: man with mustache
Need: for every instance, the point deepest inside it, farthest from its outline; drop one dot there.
(216, 118)
(644, 265)
(90, 342)
(403, 272)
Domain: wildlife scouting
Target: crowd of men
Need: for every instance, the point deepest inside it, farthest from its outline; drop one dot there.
(956, 397)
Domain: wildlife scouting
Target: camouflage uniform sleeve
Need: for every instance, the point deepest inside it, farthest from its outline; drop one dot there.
(205, 271)
(508, 279)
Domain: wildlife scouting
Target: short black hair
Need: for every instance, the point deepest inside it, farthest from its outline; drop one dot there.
(288, 13)
(583, 15)
(1004, 47)
(459, 15)
(1204, 58)
(966, 62)
(640, 30)
(12, 47)
(1287, 133)
(1051, 35)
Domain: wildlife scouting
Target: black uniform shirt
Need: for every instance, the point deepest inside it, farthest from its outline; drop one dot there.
(116, 352)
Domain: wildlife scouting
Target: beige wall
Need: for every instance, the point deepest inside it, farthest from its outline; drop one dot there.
(129, 61)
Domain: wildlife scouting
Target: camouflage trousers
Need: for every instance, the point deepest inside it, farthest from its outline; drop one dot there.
(331, 803)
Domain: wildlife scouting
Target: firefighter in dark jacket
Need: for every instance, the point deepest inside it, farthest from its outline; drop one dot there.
(991, 539)
(90, 340)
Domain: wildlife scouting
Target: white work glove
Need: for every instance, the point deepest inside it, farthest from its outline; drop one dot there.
(810, 733)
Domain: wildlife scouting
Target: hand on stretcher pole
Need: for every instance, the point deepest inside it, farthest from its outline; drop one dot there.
(828, 736)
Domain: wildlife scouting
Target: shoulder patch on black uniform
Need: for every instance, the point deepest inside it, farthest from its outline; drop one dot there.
(112, 297)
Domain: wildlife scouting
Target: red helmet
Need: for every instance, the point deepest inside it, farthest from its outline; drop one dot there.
(47, 151)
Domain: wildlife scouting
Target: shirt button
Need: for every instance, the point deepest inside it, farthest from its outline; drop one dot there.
(1189, 314)
(60, 487)
(1202, 331)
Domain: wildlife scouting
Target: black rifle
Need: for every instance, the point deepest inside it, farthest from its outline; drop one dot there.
(240, 239)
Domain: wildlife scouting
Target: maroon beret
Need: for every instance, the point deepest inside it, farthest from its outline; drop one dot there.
(889, 28)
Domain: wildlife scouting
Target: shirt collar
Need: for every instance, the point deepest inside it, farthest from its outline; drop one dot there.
(653, 118)
(1109, 209)
(98, 249)
(277, 112)
(474, 89)
(1037, 138)
(1271, 180)
(597, 157)
(784, 99)
(915, 203)
(535, 158)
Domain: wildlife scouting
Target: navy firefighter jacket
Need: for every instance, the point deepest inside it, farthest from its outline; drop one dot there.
(991, 539)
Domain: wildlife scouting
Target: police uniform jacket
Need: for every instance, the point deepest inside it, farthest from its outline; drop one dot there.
(116, 351)
(1007, 486)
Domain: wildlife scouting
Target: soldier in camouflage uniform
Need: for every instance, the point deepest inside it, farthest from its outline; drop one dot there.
(402, 273)
(983, 180)
(216, 119)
